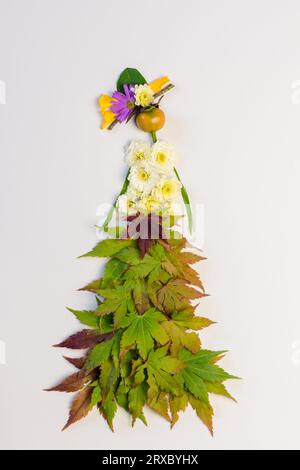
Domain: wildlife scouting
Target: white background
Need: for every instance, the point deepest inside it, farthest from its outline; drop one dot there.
(234, 117)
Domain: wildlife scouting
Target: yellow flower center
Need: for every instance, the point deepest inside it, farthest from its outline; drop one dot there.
(139, 156)
(161, 158)
(144, 175)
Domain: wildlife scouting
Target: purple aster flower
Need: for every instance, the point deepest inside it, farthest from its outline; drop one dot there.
(123, 104)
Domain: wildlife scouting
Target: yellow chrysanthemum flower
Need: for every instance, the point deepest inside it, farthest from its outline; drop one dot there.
(107, 115)
(158, 84)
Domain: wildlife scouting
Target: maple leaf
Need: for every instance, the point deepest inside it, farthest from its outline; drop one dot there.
(218, 389)
(113, 271)
(137, 397)
(161, 369)
(108, 380)
(73, 382)
(143, 330)
(78, 362)
(143, 268)
(129, 255)
(200, 368)
(117, 301)
(82, 340)
(146, 229)
(176, 295)
(80, 407)
(100, 353)
(86, 317)
(204, 411)
(178, 404)
(158, 401)
(180, 338)
(187, 319)
(109, 247)
(140, 296)
(96, 396)
(92, 286)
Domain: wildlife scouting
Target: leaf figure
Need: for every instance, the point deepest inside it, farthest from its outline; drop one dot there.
(143, 330)
(74, 382)
(80, 406)
(109, 247)
(82, 340)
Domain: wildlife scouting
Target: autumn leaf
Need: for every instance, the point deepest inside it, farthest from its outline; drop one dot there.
(140, 296)
(82, 340)
(92, 286)
(143, 330)
(179, 338)
(74, 382)
(80, 406)
(176, 295)
(78, 362)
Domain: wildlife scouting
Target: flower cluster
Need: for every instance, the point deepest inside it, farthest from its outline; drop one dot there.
(153, 186)
(122, 105)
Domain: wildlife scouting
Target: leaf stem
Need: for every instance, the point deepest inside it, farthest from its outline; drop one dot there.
(187, 203)
(113, 207)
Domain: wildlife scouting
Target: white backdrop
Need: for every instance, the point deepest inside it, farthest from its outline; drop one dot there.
(234, 117)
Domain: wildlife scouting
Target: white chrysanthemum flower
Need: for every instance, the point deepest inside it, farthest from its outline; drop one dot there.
(144, 95)
(127, 205)
(149, 204)
(138, 152)
(163, 156)
(143, 178)
(167, 189)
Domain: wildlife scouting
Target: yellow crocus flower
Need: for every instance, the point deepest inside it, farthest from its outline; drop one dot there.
(107, 115)
(158, 84)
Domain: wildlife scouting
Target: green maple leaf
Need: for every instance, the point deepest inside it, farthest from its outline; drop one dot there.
(101, 352)
(180, 338)
(108, 408)
(161, 369)
(109, 247)
(86, 317)
(200, 368)
(178, 404)
(117, 301)
(129, 255)
(142, 269)
(143, 330)
(137, 397)
(112, 273)
(204, 412)
(186, 319)
(140, 296)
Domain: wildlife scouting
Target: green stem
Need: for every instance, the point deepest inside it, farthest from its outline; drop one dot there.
(187, 203)
(153, 135)
(113, 207)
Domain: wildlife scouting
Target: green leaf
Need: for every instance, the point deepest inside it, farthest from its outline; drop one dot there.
(200, 368)
(218, 389)
(140, 296)
(118, 301)
(161, 369)
(204, 412)
(109, 247)
(186, 319)
(101, 352)
(129, 255)
(130, 76)
(180, 338)
(92, 286)
(113, 271)
(137, 397)
(143, 330)
(96, 395)
(86, 317)
(143, 268)
(178, 404)
(109, 408)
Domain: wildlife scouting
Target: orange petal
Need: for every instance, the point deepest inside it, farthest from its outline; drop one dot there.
(157, 85)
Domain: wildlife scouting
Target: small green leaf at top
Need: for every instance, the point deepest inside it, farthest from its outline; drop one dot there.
(130, 76)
